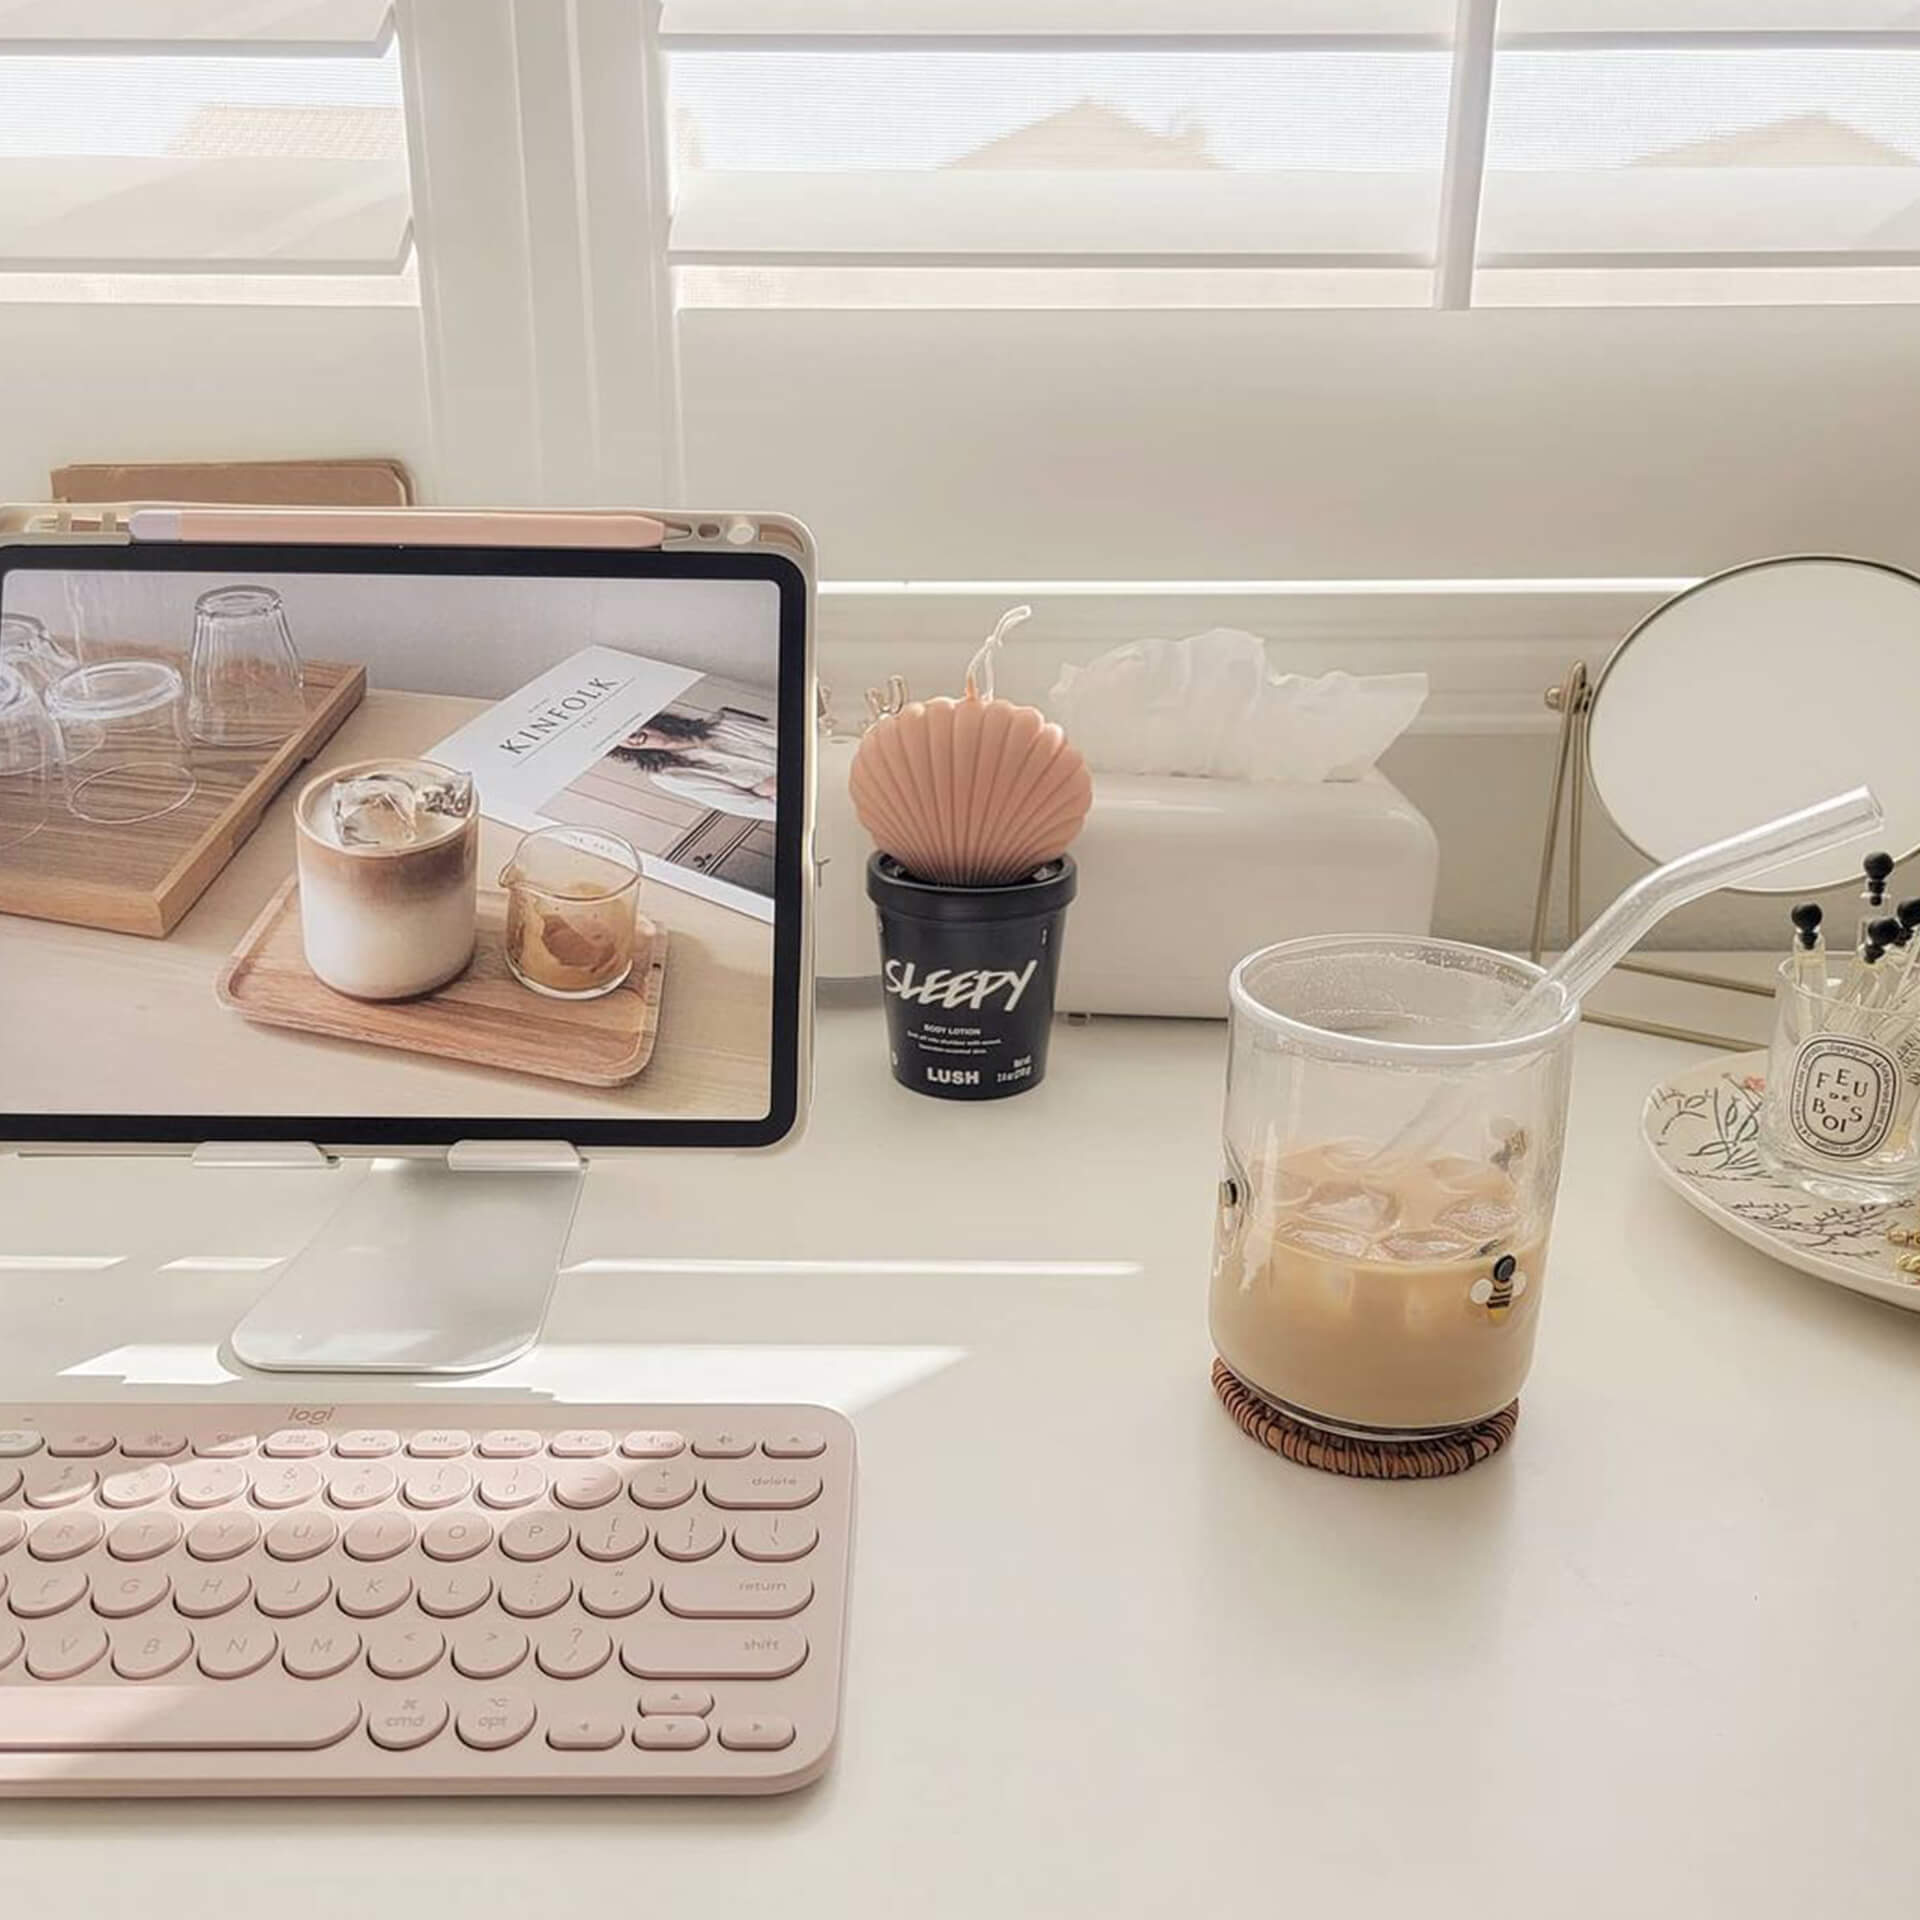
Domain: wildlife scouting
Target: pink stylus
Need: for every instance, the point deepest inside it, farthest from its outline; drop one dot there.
(328, 526)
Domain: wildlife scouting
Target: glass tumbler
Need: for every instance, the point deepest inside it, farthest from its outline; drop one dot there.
(123, 740)
(32, 652)
(243, 671)
(26, 759)
(573, 896)
(1392, 1160)
(1843, 1083)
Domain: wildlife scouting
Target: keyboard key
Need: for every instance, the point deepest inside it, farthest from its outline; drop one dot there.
(698, 1650)
(572, 1653)
(653, 1443)
(723, 1443)
(400, 1720)
(758, 1483)
(13, 1530)
(580, 1443)
(120, 1595)
(457, 1537)
(517, 1485)
(143, 1536)
(584, 1733)
(398, 1652)
(670, 1732)
(223, 1536)
(286, 1483)
(531, 1593)
(38, 1596)
(175, 1719)
(439, 1443)
(65, 1536)
(59, 1483)
(203, 1596)
(11, 1641)
(367, 1443)
(690, 1534)
(65, 1651)
(300, 1536)
(225, 1443)
(16, 1443)
(761, 1734)
(497, 1720)
(612, 1536)
(79, 1443)
(232, 1651)
(148, 1652)
(774, 1536)
(614, 1592)
(319, 1651)
(457, 1592)
(154, 1443)
(509, 1443)
(367, 1596)
(534, 1536)
(378, 1536)
(209, 1483)
(488, 1652)
(136, 1486)
(285, 1593)
(675, 1700)
(294, 1443)
(797, 1443)
(586, 1487)
(363, 1485)
(444, 1484)
(735, 1593)
(667, 1483)
(10, 1479)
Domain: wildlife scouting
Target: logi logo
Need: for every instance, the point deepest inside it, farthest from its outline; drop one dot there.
(970, 987)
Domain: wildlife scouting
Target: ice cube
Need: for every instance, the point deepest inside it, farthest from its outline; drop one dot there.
(1481, 1218)
(373, 810)
(1348, 1203)
(448, 794)
(1340, 1242)
(1429, 1246)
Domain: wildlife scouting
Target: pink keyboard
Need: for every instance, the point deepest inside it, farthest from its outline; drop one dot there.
(217, 1599)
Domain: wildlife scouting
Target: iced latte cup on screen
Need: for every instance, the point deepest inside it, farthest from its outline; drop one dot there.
(388, 851)
(1392, 1160)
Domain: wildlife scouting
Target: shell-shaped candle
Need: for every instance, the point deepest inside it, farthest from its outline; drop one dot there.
(974, 792)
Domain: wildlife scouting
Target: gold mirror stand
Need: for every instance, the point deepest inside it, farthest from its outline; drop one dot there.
(1572, 700)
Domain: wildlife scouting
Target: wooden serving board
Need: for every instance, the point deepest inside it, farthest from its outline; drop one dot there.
(486, 1018)
(142, 876)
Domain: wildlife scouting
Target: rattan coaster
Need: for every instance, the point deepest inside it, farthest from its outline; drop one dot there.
(1361, 1459)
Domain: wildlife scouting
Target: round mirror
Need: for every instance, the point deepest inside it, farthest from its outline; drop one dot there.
(1759, 691)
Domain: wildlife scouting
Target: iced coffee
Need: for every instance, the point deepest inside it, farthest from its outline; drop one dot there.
(387, 857)
(1402, 1299)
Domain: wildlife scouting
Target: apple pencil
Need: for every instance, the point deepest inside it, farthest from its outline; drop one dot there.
(400, 526)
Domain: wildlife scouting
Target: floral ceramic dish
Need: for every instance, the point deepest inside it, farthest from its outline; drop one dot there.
(1702, 1128)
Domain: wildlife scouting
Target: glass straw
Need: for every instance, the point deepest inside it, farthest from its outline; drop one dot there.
(1723, 863)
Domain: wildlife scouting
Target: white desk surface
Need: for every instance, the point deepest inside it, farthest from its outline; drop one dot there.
(1108, 1657)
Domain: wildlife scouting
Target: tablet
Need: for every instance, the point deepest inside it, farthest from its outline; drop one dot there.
(390, 845)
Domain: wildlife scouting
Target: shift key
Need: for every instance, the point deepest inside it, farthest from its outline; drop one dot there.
(711, 1650)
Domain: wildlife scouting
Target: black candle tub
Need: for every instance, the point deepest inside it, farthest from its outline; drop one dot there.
(969, 975)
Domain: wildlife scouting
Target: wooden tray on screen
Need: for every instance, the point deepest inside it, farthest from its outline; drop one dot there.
(142, 877)
(486, 1018)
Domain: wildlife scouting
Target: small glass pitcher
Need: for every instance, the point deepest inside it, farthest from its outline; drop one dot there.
(573, 897)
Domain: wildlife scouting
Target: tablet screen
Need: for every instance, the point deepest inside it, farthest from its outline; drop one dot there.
(369, 845)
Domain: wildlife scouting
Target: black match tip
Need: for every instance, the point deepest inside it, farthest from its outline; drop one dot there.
(1909, 912)
(1807, 917)
(1888, 933)
(1871, 952)
(1878, 867)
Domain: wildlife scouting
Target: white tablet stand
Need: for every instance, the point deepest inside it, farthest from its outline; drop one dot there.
(436, 1264)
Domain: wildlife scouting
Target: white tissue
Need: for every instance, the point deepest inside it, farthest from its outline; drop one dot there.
(1210, 705)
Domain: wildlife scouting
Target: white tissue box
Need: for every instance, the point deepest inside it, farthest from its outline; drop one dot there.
(1180, 877)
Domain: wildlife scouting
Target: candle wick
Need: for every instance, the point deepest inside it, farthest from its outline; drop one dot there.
(980, 667)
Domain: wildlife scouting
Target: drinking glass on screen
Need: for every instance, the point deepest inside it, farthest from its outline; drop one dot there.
(243, 673)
